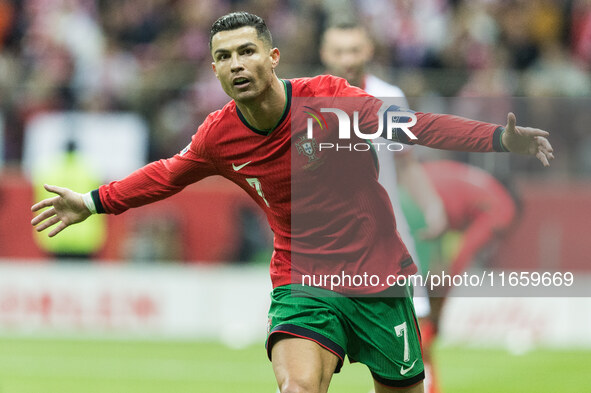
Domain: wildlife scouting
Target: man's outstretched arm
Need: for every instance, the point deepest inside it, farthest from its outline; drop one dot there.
(155, 181)
(65, 209)
(448, 132)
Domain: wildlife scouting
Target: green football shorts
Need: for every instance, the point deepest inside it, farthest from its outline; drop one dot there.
(380, 332)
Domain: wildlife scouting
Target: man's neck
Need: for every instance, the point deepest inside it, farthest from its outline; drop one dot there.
(265, 112)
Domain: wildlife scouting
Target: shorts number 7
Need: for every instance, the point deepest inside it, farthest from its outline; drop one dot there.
(401, 331)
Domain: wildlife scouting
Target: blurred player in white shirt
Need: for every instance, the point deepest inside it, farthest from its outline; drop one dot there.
(345, 51)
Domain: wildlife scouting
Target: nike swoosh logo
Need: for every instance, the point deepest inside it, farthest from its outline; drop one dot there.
(403, 370)
(239, 167)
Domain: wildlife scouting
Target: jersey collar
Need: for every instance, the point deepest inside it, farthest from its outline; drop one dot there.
(287, 87)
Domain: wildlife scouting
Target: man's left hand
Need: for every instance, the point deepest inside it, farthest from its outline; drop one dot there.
(527, 140)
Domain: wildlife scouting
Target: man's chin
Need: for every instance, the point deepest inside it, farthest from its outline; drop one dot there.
(244, 96)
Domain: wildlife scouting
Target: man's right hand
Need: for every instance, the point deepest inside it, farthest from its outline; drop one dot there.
(66, 208)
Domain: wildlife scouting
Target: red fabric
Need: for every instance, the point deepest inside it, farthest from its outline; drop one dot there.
(449, 132)
(329, 215)
(475, 202)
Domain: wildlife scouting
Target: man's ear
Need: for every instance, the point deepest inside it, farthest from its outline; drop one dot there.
(275, 55)
(214, 70)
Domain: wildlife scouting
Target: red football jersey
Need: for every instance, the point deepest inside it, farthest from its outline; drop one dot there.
(327, 210)
(475, 203)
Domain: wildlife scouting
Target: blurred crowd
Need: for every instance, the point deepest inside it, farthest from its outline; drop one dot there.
(151, 56)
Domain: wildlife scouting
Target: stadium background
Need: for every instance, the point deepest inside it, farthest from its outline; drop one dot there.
(155, 307)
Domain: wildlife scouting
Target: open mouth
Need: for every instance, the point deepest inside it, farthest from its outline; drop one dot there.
(238, 82)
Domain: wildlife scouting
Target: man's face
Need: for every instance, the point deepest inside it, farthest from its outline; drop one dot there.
(243, 63)
(345, 52)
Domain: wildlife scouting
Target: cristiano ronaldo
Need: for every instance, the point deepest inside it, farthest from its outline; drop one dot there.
(250, 142)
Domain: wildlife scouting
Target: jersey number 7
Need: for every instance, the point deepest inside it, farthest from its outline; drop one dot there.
(256, 184)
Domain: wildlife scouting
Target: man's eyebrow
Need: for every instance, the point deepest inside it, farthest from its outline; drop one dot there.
(243, 46)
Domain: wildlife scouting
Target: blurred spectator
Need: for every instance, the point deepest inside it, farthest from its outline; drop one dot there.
(72, 170)
(7, 17)
(581, 31)
(152, 56)
(493, 77)
(545, 20)
(515, 21)
(474, 32)
(117, 79)
(400, 27)
(554, 74)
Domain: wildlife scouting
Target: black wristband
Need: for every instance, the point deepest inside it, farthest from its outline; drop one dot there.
(498, 141)
(97, 201)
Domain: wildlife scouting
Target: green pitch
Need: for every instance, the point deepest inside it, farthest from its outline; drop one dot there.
(76, 366)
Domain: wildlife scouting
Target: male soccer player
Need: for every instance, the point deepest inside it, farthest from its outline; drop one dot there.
(479, 207)
(346, 50)
(249, 141)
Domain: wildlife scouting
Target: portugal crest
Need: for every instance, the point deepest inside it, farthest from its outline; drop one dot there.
(308, 147)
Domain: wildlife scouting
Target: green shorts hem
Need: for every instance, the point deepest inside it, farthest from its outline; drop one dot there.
(399, 383)
(300, 331)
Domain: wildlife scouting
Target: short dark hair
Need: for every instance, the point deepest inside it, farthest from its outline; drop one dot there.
(236, 20)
